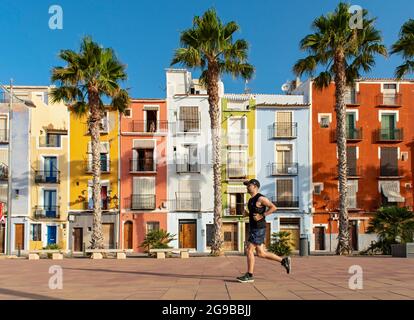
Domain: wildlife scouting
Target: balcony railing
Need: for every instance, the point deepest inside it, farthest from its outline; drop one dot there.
(283, 169)
(47, 212)
(4, 136)
(237, 210)
(50, 142)
(286, 201)
(105, 204)
(47, 176)
(148, 126)
(105, 166)
(389, 171)
(143, 202)
(352, 99)
(389, 135)
(285, 130)
(4, 172)
(237, 171)
(389, 99)
(142, 165)
(351, 134)
(186, 201)
(188, 167)
(187, 126)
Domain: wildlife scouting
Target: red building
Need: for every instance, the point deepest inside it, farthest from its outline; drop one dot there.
(143, 174)
(380, 131)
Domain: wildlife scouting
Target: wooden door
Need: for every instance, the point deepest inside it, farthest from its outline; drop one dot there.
(19, 236)
(108, 234)
(128, 235)
(319, 238)
(353, 234)
(230, 234)
(77, 239)
(188, 235)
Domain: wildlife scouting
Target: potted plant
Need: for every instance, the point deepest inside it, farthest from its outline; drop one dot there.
(157, 239)
(281, 244)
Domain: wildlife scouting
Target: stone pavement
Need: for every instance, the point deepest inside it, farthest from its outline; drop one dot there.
(207, 278)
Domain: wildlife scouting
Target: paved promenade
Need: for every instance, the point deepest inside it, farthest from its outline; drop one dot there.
(207, 278)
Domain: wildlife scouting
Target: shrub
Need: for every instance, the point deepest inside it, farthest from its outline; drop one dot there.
(280, 243)
(157, 239)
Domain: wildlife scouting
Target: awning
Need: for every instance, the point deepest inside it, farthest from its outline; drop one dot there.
(391, 190)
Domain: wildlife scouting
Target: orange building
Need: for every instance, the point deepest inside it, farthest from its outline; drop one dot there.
(143, 175)
(380, 132)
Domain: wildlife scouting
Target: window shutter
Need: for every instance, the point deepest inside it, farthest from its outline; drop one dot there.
(144, 185)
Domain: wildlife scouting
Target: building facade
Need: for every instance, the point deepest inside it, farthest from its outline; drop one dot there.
(284, 163)
(189, 159)
(238, 126)
(80, 201)
(143, 174)
(379, 142)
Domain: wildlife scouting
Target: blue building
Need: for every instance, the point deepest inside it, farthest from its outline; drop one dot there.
(283, 162)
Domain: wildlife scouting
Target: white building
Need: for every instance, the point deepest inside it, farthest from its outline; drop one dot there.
(189, 159)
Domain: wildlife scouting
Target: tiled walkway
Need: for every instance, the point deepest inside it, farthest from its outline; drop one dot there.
(207, 278)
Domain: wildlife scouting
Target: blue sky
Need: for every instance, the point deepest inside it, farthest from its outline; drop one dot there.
(145, 33)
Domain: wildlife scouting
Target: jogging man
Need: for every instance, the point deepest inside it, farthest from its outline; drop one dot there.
(259, 207)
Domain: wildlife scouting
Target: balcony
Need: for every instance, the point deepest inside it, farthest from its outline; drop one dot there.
(151, 127)
(352, 134)
(142, 165)
(50, 141)
(389, 100)
(283, 130)
(105, 204)
(105, 166)
(352, 100)
(283, 169)
(142, 201)
(47, 212)
(389, 171)
(4, 172)
(186, 201)
(4, 136)
(237, 171)
(237, 210)
(188, 167)
(389, 135)
(187, 126)
(286, 202)
(47, 176)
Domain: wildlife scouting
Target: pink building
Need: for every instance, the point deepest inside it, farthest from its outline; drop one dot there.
(144, 130)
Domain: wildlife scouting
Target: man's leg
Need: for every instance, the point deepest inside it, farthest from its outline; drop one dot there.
(262, 253)
(250, 257)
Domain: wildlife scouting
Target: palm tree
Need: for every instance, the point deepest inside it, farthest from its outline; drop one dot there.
(405, 47)
(89, 76)
(343, 52)
(209, 45)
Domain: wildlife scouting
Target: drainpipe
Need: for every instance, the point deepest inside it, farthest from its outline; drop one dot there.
(118, 232)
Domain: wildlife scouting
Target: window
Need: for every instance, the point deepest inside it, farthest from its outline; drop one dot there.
(390, 86)
(389, 162)
(143, 193)
(53, 140)
(404, 156)
(189, 119)
(324, 121)
(128, 113)
(50, 173)
(36, 232)
(104, 157)
(237, 131)
(3, 128)
(352, 193)
(153, 226)
(105, 192)
(284, 159)
(237, 164)
(318, 188)
(284, 193)
(284, 124)
(236, 204)
(351, 158)
(350, 95)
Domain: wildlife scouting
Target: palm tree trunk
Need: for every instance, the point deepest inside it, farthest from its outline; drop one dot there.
(97, 241)
(340, 108)
(214, 110)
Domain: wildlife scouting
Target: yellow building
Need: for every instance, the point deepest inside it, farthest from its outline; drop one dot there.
(81, 216)
(238, 157)
(48, 179)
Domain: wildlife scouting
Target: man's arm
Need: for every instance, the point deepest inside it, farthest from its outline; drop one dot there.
(268, 204)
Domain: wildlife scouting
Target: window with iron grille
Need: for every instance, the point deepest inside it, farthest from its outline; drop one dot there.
(153, 226)
(36, 232)
(189, 119)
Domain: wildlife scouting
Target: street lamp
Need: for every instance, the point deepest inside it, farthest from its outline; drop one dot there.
(29, 104)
